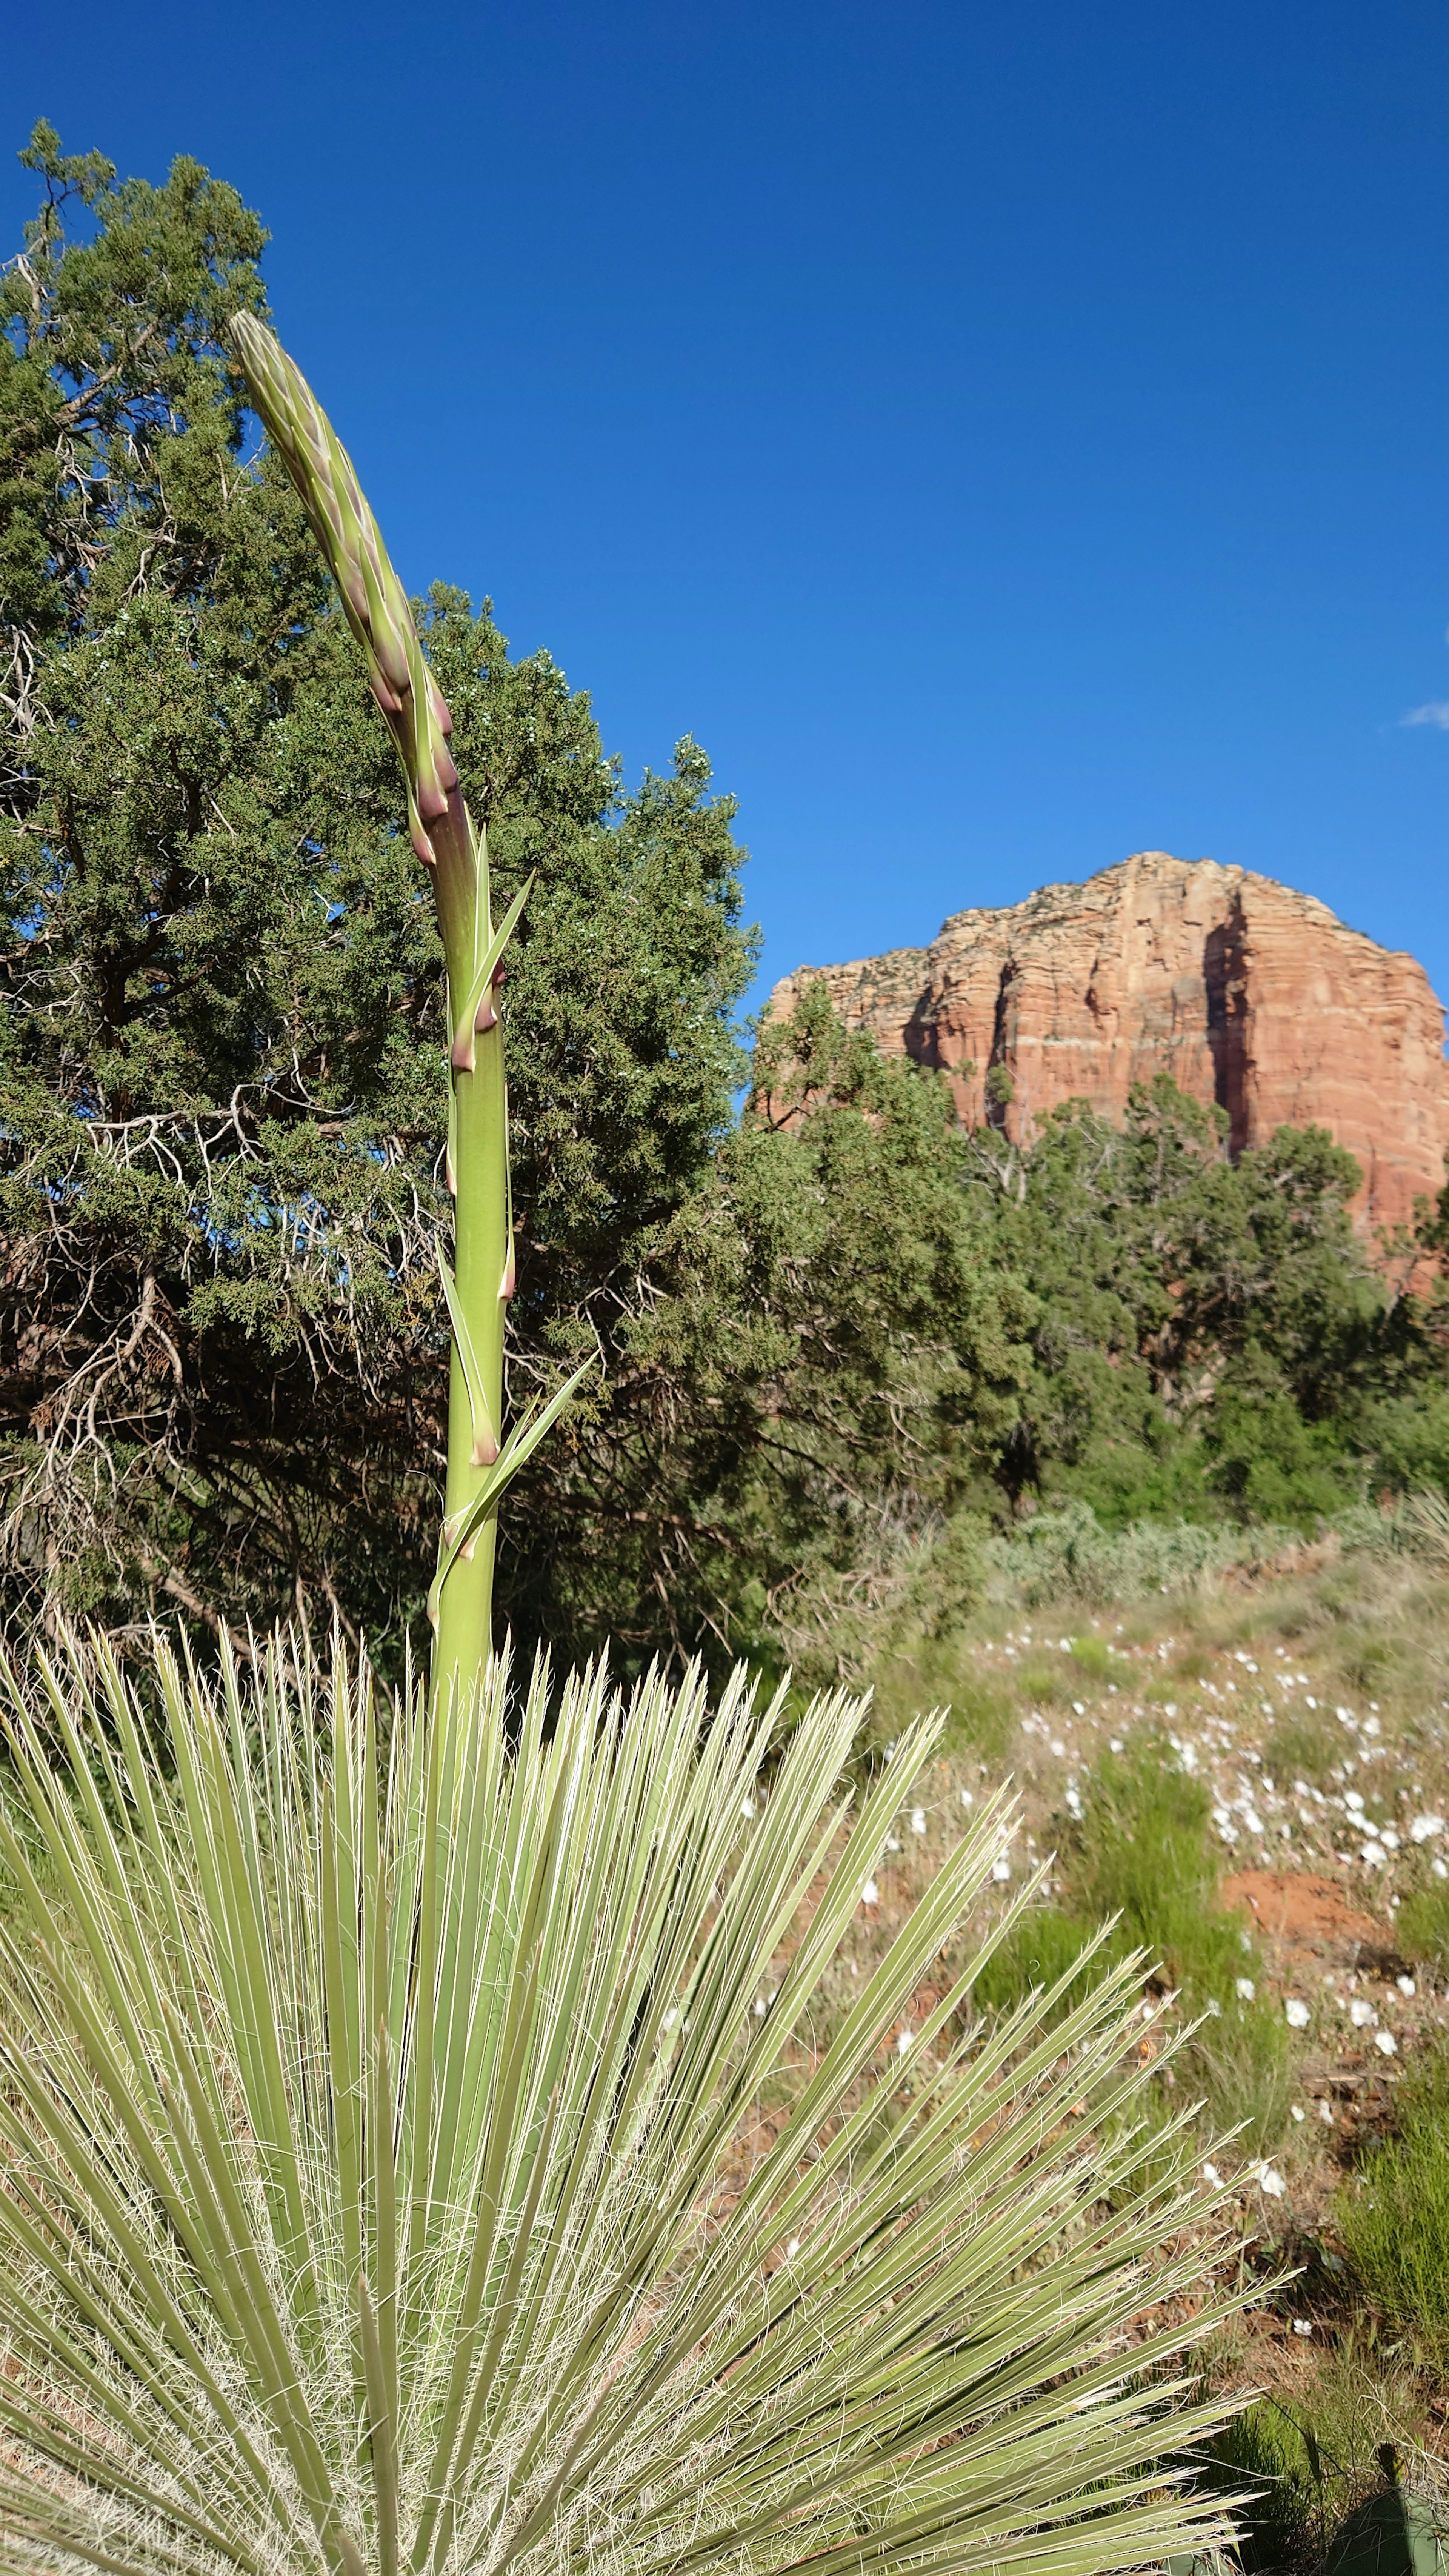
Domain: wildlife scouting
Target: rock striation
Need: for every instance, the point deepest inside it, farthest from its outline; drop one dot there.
(1245, 992)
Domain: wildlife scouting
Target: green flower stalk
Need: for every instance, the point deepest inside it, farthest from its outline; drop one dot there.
(454, 849)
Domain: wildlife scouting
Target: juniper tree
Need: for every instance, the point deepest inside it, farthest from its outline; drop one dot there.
(223, 1103)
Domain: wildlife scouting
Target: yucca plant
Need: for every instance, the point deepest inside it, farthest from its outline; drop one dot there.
(441, 2136)
(453, 847)
(375, 2195)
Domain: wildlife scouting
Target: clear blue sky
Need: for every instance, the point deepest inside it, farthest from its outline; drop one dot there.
(1005, 437)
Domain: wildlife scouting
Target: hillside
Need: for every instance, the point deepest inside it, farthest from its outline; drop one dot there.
(1247, 993)
(1247, 1765)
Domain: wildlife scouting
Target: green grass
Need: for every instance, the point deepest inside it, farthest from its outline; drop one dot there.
(1265, 2449)
(1303, 1750)
(936, 1674)
(1146, 1851)
(1394, 2213)
(1423, 1924)
(1042, 1946)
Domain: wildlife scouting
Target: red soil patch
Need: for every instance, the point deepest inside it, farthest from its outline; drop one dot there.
(1299, 1905)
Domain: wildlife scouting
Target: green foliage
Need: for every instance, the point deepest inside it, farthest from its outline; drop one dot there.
(1394, 2212)
(1200, 1347)
(370, 2195)
(831, 1359)
(223, 1040)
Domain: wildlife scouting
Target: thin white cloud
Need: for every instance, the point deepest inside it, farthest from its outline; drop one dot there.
(1435, 713)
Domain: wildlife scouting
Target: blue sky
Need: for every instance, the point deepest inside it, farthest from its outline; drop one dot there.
(1005, 438)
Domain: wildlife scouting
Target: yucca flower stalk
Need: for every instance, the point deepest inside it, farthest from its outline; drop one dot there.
(453, 848)
(375, 2197)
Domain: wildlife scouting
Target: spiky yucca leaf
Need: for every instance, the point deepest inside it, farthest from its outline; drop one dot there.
(370, 2196)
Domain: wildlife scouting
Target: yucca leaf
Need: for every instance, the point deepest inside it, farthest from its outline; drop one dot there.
(523, 1439)
(370, 2183)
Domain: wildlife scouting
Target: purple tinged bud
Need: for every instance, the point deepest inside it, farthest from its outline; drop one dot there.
(393, 660)
(486, 1015)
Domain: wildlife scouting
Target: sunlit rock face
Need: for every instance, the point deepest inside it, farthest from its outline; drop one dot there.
(1245, 992)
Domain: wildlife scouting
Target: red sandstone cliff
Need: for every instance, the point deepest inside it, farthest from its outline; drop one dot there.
(1246, 993)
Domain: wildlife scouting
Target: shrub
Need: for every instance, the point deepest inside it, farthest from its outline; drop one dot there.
(1058, 1554)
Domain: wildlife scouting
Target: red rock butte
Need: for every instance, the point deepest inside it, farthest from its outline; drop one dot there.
(1245, 992)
